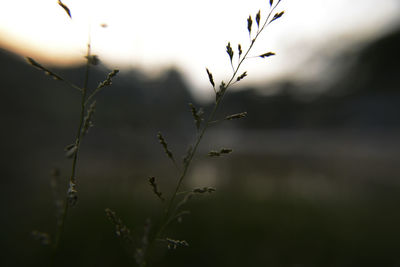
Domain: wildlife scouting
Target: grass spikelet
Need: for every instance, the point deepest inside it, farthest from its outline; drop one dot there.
(277, 16)
(197, 115)
(258, 17)
(221, 92)
(154, 186)
(108, 80)
(88, 120)
(61, 4)
(174, 244)
(242, 76)
(121, 230)
(236, 116)
(72, 194)
(165, 146)
(249, 24)
(268, 54)
(210, 77)
(204, 190)
(32, 62)
(229, 50)
(225, 151)
(214, 153)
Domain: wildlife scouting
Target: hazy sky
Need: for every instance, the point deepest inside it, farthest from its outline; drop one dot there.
(190, 35)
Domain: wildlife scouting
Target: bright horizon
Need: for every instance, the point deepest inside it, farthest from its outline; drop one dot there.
(190, 36)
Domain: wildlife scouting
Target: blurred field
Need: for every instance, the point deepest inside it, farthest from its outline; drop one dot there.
(269, 210)
(293, 215)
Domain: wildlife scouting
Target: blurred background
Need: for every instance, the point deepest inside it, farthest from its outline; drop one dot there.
(314, 176)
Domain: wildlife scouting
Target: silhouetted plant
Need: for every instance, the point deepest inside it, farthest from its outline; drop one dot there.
(176, 200)
(87, 110)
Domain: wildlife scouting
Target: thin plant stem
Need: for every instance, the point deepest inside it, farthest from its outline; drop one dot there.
(61, 223)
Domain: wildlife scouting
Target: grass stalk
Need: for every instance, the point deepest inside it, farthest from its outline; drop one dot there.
(72, 179)
(87, 109)
(170, 212)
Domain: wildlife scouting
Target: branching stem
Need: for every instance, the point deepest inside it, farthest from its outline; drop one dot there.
(72, 179)
(170, 213)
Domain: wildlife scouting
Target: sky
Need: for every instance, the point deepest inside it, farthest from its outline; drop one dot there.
(192, 35)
